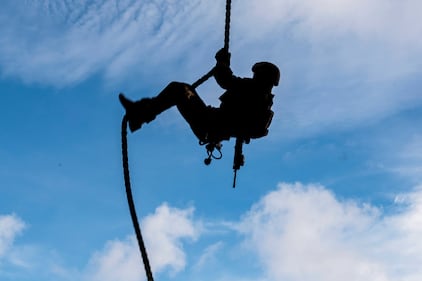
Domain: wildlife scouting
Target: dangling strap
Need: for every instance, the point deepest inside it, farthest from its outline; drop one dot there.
(226, 45)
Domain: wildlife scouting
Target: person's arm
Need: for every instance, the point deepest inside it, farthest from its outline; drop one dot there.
(222, 72)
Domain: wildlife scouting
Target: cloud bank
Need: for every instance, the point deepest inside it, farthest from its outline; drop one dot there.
(303, 232)
(296, 232)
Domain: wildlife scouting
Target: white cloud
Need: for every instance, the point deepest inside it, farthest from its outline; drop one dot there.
(163, 233)
(302, 232)
(296, 232)
(119, 260)
(10, 227)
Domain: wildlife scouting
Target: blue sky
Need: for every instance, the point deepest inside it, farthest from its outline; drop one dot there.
(333, 192)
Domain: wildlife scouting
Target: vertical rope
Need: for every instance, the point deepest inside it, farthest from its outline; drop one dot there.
(226, 44)
(227, 25)
(131, 203)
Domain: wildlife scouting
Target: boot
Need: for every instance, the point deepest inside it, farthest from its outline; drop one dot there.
(137, 113)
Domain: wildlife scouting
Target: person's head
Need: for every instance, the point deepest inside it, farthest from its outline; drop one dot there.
(266, 72)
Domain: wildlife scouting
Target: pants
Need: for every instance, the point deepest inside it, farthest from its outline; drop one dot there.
(207, 123)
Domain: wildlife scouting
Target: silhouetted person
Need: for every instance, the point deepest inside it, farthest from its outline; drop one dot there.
(245, 109)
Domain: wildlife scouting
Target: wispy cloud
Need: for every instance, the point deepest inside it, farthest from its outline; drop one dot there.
(407, 161)
(209, 255)
(78, 38)
(65, 42)
(343, 62)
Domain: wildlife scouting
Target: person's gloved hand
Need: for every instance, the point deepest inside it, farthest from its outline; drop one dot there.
(223, 56)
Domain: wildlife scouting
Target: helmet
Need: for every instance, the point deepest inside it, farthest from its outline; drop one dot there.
(268, 71)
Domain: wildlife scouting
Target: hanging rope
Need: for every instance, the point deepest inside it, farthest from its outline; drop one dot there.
(131, 204)
(227, 25)
(125, 158)
(226, 45)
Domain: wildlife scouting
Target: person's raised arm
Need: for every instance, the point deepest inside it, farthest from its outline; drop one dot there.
(222, 72)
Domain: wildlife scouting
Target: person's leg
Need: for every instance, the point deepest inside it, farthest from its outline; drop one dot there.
(137, 112)
(196, 113)
(190, 105)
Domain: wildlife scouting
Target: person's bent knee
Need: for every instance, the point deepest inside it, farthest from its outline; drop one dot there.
(182, 91)
(177, 86)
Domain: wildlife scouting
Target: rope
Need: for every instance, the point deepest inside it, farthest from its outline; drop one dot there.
(227, 25)
(226, 45)
(203, 78)
(131, 203)
(125, 157)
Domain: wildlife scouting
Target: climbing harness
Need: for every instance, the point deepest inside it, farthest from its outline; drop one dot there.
(211, 146)
(210, 151)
